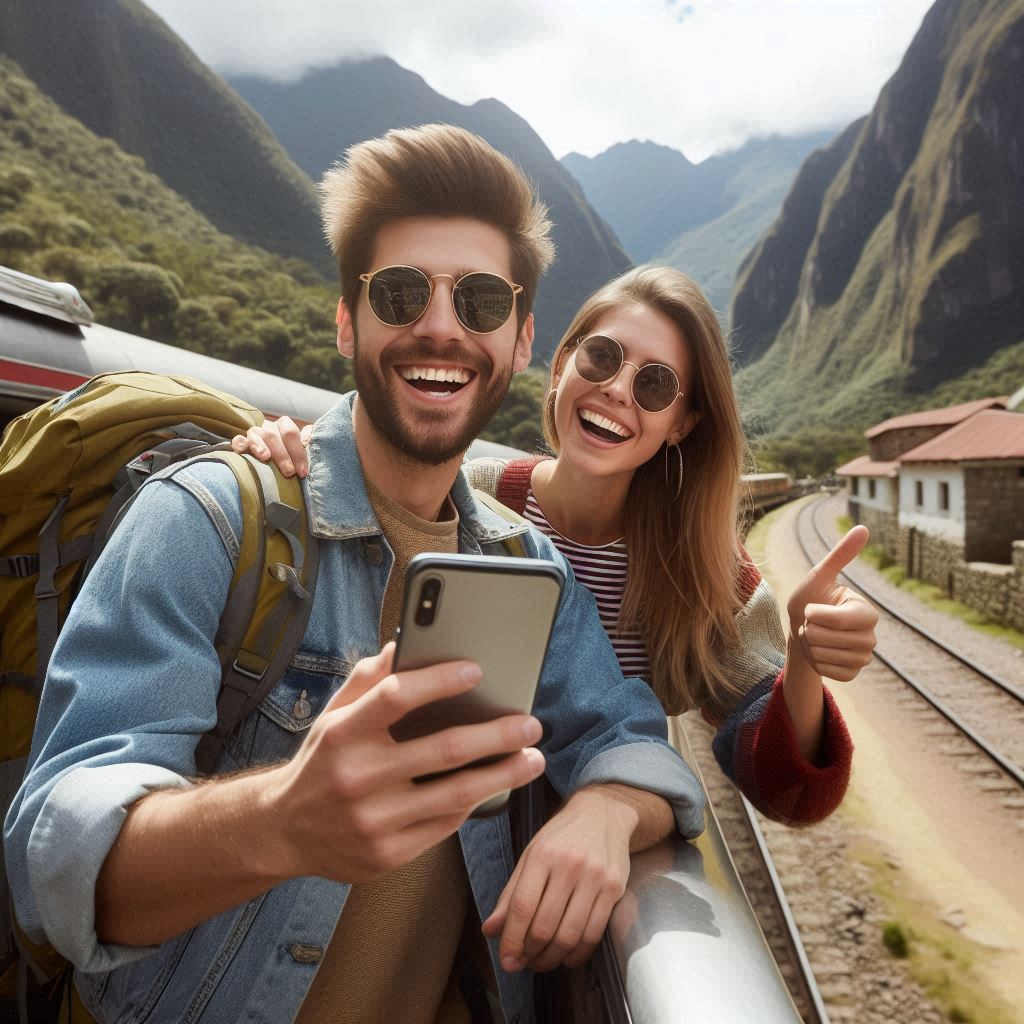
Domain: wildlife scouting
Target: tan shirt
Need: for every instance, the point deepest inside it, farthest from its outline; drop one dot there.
(391, 959)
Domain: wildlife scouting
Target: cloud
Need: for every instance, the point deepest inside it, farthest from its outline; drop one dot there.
(700, 77)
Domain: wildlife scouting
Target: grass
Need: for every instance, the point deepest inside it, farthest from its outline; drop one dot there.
(942, 960)
(931, 595)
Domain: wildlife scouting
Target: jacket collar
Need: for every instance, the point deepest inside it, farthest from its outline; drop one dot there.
(338, 505)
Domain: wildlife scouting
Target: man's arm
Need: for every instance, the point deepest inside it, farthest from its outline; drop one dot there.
(131, 688)
(185, 856)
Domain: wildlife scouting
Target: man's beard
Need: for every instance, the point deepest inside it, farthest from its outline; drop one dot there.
(429, 443)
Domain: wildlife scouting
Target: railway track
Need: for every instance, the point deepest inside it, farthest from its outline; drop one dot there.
(985, 710)
(752, 858)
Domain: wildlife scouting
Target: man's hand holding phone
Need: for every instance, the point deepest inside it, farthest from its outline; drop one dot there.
(347, 805)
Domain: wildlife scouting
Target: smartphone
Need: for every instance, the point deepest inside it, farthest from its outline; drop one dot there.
(495, 611)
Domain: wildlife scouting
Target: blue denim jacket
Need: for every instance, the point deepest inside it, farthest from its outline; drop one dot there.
(132, 686)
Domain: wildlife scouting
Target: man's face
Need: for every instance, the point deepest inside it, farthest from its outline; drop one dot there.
(407, 401)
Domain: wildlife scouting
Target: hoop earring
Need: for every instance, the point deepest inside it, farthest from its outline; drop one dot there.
(679, 482)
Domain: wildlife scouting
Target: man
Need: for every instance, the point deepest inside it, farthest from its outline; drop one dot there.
(222, 900)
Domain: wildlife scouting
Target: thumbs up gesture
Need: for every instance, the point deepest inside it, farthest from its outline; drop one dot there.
(833, 627)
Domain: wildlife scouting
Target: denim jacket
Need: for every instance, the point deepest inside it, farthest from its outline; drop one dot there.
(132, 686)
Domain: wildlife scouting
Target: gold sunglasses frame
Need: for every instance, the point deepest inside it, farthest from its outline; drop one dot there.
(623, 361)
(367, 278)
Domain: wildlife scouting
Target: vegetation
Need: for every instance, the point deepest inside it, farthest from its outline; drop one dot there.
(518, 421)
(77, 208)
(894, 938)
(806, 453)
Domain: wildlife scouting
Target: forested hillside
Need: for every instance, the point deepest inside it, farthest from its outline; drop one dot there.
(117, 68)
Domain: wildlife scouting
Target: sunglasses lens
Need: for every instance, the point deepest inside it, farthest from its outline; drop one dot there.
(483, 302)
(598, 359)
(655, 387)
(398, 295)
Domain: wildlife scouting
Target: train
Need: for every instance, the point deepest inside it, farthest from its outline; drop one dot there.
(658, 962)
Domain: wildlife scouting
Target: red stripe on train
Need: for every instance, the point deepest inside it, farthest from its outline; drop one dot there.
(41, 376)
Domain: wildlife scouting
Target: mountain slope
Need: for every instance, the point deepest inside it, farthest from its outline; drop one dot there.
(767, 279)
(915, 271)
(648, 193)
(702, 218)
(117, 68)
(329, 109)
(651, 195)
(77, 208)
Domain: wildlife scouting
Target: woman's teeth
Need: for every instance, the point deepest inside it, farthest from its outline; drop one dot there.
(602, 427)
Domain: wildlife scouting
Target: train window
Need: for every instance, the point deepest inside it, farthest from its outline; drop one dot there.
(944, 497)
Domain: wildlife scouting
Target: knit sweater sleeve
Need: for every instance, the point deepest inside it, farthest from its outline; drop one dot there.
(756, 745)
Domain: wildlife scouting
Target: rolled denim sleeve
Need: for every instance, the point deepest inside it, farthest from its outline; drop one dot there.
(131, 687)
(600, 726)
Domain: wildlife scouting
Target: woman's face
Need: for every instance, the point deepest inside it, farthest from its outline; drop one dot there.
(595, 446)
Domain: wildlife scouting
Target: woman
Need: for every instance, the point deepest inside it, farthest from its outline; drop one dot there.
(643, 499)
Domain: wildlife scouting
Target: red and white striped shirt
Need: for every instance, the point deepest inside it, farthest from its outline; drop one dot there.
(602, 569)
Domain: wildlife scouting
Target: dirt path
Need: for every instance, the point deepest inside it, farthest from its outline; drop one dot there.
(956, 853)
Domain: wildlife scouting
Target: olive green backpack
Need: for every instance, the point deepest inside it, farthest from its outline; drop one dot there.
(69, 469)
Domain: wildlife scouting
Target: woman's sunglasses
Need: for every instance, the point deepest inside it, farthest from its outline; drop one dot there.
(399, 296)
(599, 358)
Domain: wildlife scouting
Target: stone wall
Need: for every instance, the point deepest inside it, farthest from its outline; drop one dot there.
(997, 591)
(884, 526)
(994, 512)
(1015, 599)
(928, 558)
(894, 443)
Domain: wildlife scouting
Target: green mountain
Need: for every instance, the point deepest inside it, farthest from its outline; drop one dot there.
(329, 109)
(910, 288)
(117, 68)
(702, 218)
(75, 207)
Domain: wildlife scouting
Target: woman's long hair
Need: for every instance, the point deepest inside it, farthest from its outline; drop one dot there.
(681, 592)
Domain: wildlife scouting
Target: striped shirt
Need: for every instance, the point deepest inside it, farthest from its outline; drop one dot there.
(602, 569)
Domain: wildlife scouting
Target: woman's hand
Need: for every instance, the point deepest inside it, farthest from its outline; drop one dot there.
(833, 626)
(280, 440)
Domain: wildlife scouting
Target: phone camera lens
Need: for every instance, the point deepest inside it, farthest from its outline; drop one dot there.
(426, 606)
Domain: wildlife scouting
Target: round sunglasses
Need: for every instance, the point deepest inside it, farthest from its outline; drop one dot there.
(654, 386)
(399, 296)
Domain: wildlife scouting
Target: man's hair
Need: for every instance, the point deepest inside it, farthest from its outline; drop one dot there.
(436, 170)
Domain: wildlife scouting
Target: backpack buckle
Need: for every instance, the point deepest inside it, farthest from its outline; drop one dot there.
(19, 566)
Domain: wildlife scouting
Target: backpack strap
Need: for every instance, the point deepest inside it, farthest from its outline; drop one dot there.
(514, 484)
(270, 598)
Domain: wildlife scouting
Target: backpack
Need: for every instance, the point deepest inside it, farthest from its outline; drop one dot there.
(69, 470)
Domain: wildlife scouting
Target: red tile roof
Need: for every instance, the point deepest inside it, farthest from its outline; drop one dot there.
(936, 417)
(863, 466)
(992, 434)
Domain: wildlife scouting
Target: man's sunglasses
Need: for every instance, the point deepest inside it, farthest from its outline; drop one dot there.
(399, 296)
(599, 358)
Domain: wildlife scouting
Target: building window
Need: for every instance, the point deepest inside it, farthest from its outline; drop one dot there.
(919, 493)
(871, 488)
(944, 497)
(855, 489)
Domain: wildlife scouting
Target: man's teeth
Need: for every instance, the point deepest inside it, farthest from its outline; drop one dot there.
(604, 423)
(449, 374)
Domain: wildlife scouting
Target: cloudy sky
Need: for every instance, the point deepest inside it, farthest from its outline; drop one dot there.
(701, 76)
